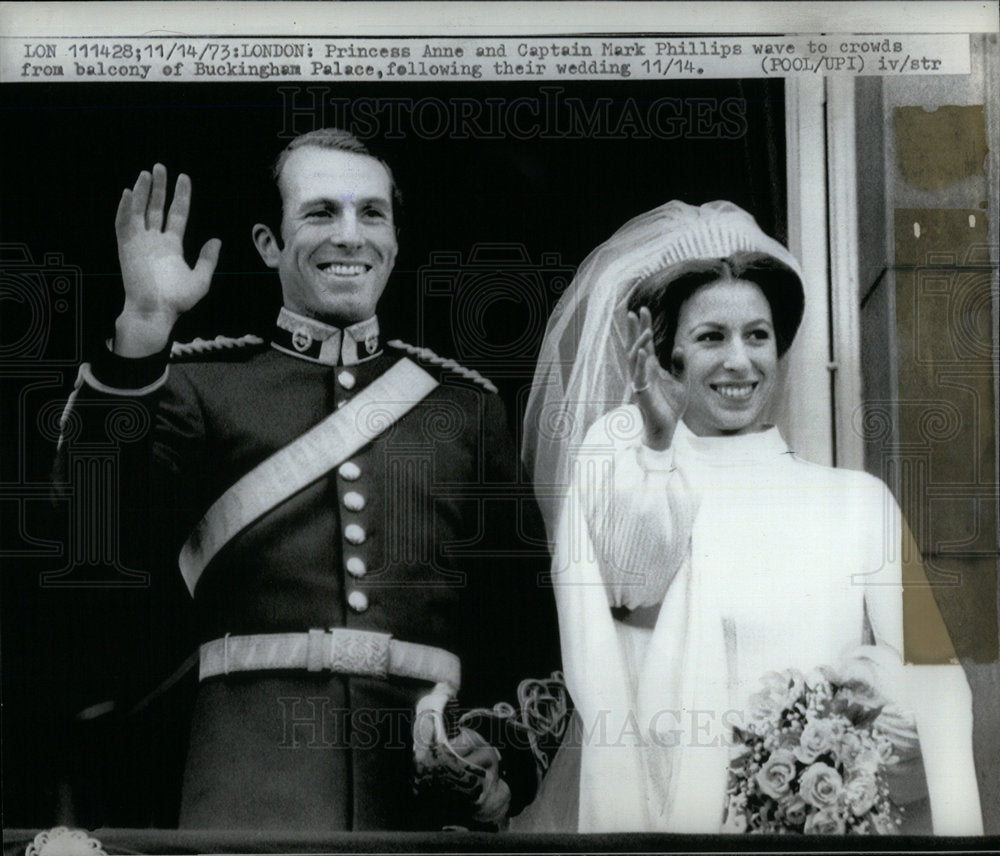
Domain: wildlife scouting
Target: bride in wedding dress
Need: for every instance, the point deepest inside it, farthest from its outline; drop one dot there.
(694, 552)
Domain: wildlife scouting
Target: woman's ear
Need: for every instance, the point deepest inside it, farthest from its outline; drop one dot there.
(267, 245)
(677, 362)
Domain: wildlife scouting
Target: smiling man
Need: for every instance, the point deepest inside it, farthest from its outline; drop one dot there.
(337, 244)
(347, 515)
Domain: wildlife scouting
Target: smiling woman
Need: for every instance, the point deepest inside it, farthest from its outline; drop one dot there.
(725, 346)
(727, 321)
(724, 558)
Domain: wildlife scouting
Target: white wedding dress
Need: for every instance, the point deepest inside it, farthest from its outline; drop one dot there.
(733, 558)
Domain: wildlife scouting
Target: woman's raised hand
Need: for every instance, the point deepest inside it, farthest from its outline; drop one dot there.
(660, 395)
(159, 284)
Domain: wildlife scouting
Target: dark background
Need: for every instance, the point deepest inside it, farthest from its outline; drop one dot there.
(493, 229)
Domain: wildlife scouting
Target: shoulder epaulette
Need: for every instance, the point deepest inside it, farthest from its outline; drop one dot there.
(220, 344)
(429, 356)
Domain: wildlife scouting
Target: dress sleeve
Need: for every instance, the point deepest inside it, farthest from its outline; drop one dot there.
(904, 616)
(636, 507)
(597, 670)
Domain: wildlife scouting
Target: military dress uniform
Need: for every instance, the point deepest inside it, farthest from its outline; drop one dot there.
(426, 534)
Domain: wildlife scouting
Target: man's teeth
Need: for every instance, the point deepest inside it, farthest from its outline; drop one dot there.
(734, 390)
(343, 270)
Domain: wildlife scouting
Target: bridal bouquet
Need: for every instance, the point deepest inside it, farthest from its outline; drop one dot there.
(811, 758)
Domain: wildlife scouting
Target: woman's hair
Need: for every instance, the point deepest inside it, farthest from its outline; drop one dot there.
(665, 291)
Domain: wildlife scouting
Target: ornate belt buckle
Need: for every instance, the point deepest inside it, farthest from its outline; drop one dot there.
(359, 652)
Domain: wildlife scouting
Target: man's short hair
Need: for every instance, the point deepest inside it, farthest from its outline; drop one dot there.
(338, 140)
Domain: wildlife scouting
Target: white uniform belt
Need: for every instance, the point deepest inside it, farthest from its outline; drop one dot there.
(352, 652)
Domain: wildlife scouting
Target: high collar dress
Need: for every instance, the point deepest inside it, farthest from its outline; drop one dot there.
(682, 577)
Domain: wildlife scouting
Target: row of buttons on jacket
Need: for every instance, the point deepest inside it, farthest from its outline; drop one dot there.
(354, 533)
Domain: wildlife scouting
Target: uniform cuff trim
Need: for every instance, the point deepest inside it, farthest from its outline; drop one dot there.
(136, 392)
(124, 375)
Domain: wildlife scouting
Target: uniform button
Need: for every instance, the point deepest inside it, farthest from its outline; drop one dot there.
(356, 566)
(346, 380)
(354, 533)
(354, 501)
(358, 601)
(349, 470)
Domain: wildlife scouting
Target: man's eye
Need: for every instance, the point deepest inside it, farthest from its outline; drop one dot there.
(374, 213)
(319, 212)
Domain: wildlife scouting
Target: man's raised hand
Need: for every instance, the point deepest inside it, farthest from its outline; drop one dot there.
(159, 284)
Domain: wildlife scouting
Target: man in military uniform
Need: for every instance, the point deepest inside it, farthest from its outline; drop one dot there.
(347, 511)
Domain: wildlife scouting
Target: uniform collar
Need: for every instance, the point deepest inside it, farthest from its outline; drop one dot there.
(317, 342)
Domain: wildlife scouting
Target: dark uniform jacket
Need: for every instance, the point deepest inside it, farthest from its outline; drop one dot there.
(427, 533)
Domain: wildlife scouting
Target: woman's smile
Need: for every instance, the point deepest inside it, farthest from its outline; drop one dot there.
(735, 391)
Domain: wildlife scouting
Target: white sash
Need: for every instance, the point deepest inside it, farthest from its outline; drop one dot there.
(303, 461)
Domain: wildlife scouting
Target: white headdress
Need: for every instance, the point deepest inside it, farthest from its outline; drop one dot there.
(582, 369)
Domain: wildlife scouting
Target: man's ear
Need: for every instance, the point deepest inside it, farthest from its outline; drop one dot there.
(267, 244)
